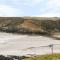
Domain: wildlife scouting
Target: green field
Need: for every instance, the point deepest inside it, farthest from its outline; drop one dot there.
(45, 57)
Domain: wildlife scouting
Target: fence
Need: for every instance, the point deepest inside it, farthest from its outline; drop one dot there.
(48, 49)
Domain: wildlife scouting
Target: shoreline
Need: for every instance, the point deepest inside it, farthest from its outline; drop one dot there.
(12, 42)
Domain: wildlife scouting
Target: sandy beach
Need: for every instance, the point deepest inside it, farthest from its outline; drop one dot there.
(13, 44)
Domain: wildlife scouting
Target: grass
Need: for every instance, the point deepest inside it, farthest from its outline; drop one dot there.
(45, 57)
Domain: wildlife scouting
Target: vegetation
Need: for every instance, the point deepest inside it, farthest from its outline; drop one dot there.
(30, 25)
(37, 57)
(45, 57)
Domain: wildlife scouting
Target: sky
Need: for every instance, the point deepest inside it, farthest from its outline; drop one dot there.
(44, 8)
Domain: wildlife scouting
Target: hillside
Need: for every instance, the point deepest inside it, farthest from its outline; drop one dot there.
(36, 25)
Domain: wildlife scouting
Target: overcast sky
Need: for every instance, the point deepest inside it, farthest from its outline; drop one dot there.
(30, 8)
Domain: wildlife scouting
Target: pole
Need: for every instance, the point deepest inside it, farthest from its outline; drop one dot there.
(52, 51)
(51, 46)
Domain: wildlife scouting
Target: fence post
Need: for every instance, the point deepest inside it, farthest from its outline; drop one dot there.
(51, 46)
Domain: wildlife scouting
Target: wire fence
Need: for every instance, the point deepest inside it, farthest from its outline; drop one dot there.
(48, 49)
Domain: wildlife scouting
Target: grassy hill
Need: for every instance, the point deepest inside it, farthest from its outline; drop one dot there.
(30, 25)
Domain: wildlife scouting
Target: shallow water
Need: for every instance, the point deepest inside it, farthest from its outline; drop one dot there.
(13, 44)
